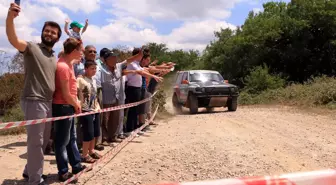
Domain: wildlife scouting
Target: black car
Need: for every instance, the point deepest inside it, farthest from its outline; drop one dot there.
(203, 88)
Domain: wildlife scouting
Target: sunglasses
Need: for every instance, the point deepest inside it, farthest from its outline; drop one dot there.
(92, 51)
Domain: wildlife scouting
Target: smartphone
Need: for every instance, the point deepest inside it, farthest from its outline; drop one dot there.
(17, 2)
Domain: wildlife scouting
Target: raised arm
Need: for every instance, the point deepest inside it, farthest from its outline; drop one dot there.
(17, 43)
(137, 57)
(131, 59)
(86, 26)
(66, 26)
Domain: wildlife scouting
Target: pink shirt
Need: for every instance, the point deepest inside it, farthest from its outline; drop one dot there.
(64, 72)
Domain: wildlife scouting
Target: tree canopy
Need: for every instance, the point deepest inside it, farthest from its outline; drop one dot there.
(296, 40)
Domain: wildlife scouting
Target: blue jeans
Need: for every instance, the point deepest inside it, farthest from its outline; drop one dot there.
(66, 149)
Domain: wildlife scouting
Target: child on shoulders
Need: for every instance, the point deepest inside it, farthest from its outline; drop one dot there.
(76, 30)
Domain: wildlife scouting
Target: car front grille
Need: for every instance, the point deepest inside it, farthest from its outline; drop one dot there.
(217, 91)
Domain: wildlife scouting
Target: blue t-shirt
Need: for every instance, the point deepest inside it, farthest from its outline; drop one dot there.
(144, 85)
(79, 68)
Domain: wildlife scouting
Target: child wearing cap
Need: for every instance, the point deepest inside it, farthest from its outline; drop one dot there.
(75, 28)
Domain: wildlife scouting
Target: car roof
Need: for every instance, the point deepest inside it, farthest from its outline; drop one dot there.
(200, 71)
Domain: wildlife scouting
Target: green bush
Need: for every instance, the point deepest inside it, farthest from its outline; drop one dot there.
(260, 80)
(10, 91)
(319, 91)
(13, 114)
(159, 100)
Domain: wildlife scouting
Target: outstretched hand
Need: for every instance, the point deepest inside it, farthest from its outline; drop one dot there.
(87, 21)
(67, 20)
(158, 78)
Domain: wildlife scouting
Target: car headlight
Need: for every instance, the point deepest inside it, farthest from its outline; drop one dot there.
(233, 89)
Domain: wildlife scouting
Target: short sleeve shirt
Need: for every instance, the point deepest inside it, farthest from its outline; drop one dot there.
(79, 68)
(134, 80)
(87, 93)
(75, 35)
(40, 67)
(111, 83)
(64, 72)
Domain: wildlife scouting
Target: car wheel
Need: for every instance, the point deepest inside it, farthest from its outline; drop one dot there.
(177, 106)
(210, 109)
(193, 104)
(232, 103)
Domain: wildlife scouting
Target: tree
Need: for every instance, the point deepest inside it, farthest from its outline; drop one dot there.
(123, 51)
(16, 65)
(295, 40)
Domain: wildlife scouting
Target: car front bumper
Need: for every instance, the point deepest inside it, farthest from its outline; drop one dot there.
(216, 92)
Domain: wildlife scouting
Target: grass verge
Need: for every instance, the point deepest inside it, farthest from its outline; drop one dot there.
(318, 92)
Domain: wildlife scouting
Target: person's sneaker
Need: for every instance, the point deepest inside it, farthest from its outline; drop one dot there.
(121, 136)
(105, 143)
(44, 177)
(116, 140)
(127, 134)
(65, 177)
(147, 128)
(76, 171)
(141, 133)
(99, 147)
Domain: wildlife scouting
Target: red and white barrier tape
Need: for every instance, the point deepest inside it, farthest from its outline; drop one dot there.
(114, 151)
(8, 125)
(322, 177)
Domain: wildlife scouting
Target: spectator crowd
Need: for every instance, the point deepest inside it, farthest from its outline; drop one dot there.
(79, 80)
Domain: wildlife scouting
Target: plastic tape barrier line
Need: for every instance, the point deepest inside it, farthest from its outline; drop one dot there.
(8, 125)
(322, 177)
(114, 151)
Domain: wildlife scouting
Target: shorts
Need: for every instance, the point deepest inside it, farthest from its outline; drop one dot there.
(90, 126)
(141, 107)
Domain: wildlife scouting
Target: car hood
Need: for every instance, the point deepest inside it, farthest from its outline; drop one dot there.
(212, 84)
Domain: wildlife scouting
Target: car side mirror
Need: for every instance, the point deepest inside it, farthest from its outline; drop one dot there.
(185, 82)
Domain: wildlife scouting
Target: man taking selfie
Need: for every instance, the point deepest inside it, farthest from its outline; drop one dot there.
(39, 87)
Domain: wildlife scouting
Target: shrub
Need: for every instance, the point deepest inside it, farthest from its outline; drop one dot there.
(10, 91)
(260, 80)
(159, 100)
(319, 91)
(13, 114)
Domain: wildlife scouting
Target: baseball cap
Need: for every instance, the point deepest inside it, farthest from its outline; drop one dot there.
(76, 24)
(109, 54)
(103, 52)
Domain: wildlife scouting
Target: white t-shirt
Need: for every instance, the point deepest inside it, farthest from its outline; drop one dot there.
(134, 80)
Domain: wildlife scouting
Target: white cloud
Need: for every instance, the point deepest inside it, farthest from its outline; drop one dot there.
(257, 10)
(174, 9)
(87, 6)
(30, 14)
(132, 22)
(191, 35)
(129, 26)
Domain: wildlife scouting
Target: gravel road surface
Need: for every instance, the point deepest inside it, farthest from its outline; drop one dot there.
(250, 141)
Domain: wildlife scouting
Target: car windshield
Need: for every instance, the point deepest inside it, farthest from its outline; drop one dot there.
(203, 77)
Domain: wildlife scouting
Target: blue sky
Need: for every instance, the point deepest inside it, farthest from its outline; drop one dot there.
(181, 24)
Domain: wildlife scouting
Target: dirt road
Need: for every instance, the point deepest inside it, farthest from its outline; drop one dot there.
(251, 141)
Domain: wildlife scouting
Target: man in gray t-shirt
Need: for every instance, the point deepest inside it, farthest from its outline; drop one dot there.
(111, 82)
(39, 86)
